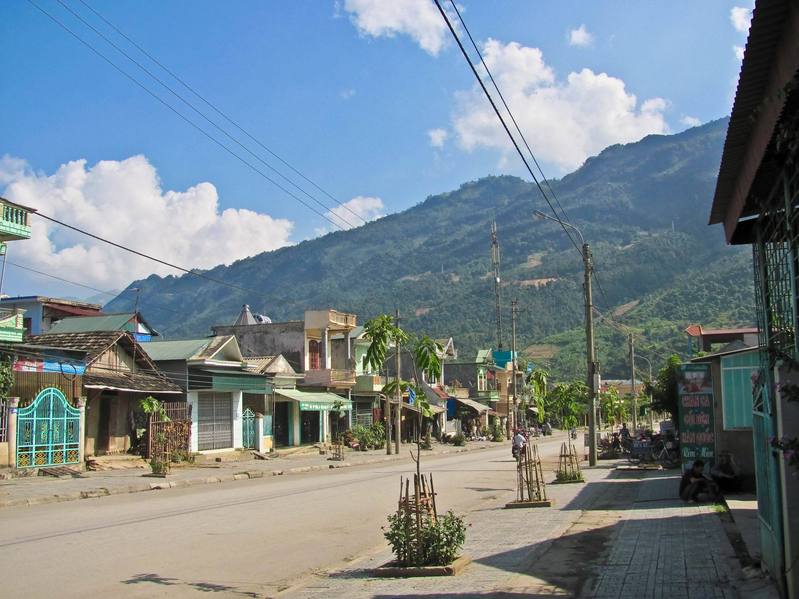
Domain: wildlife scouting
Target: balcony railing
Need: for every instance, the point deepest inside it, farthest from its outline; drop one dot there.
(329, 377)
(14, 223)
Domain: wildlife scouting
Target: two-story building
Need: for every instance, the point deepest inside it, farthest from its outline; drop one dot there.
(306, 413)
(42, 312)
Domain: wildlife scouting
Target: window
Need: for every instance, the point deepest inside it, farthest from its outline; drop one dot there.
(313, 354)
(481, 380)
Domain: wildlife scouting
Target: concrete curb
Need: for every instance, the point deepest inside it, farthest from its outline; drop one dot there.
(164, 484)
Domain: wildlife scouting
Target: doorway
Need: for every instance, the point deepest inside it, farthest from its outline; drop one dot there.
(309, 427)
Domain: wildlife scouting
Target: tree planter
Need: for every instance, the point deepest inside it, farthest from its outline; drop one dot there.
(392, 570)
(523, 504)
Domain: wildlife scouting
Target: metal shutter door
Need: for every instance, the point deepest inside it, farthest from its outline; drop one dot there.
(215, 421)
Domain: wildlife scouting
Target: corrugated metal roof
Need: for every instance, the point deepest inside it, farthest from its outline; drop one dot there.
(87, 324)
(175, 350)
(771, 59)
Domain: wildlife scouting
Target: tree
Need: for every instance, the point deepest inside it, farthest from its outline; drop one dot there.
(382, 333)
(664, 388)
(537, 382)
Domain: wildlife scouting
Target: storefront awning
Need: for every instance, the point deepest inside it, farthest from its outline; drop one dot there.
(475, 405)
(312, 401)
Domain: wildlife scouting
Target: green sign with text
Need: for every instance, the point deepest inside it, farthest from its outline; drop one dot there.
(695, 415)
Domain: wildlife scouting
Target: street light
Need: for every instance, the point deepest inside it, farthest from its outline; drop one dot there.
(593, 369)
(651, 421)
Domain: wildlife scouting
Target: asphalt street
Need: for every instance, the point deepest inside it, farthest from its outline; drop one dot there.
(249, 538)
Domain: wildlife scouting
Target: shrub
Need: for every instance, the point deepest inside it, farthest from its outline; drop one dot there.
(497, 433)
(362, 434)
(378, 434)
(439, 543)
(459, 439)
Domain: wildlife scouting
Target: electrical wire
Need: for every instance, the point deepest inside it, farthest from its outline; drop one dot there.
(516, 125)
(147, 256)
(184, 117)
(198, 112)
(220, 112)
(502, 120)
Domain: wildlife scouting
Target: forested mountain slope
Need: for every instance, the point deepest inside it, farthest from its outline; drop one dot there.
(642, 206)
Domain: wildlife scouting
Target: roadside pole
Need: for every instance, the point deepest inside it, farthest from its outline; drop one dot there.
(514, 307)
(591, 355)
(398, 413)
(632, 382)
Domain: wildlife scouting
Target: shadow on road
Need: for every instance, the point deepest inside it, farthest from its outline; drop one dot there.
(205, 587)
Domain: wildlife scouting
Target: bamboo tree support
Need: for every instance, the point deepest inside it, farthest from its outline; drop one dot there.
(531, 490)
(416, 511)
(568, 465)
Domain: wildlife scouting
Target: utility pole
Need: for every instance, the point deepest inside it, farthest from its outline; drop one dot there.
(593, 367)
(495, 265)
(514, 309)
(591, 354)
(398, 414)
(632, 382)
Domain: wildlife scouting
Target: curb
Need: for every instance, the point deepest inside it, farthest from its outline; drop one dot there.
(98, 492)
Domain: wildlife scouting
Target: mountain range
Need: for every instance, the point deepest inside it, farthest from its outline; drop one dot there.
(642, 206)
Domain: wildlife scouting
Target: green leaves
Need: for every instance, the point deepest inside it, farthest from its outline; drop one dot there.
(426, 356)
(382, 332)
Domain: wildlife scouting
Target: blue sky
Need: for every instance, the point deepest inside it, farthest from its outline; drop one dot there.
(352, 93)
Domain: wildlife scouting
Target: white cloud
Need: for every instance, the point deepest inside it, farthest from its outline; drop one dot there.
(418, 19)
(741, 17)
(739, 52)
(437, 137)
(346, 94)
(564, 121)
(690, 121)
(124, 201)
(580, 37)
(354, 212)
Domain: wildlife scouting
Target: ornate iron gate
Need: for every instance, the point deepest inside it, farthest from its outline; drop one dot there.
(48, 431)
(248, 429)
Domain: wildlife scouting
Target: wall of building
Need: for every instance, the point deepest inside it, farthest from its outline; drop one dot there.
(738, 442)
(117, 409)
(270, 339)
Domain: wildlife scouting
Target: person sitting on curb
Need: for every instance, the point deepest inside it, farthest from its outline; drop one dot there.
(696, 487)
(726, 473)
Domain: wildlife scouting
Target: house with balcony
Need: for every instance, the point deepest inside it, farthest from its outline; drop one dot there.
(307, 412)
(14, 226)
(473, 387)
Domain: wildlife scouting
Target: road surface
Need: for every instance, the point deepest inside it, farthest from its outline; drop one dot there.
(249, 538)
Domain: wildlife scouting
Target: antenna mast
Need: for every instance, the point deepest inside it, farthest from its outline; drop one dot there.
(497, 293)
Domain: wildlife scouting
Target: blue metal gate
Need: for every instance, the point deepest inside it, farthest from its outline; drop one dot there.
(48, 431)
(248, 432)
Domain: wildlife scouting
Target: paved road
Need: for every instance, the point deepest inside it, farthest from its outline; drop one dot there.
(248, 538)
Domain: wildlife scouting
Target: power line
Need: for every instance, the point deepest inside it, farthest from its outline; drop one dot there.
(501, 119)
(184, 117)
(143, 255)
(220, 112)
(198, 112)
(515, 124)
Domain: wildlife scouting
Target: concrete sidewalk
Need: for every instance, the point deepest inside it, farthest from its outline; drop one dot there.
(37, 490)
(623, 534)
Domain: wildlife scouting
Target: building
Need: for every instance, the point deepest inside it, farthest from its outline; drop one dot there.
(216, 381)
(756, 202)
(132, 322)
(42, 312)
(473, 391)
(703, 340)
(116, 374)
(733, 370)
(14, 226)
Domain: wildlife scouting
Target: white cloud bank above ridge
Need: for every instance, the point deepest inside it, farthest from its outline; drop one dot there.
(418, 19)
(566, 121)
(690, 121)
(124, 201)
(580, 37)
(741, 18)
(354, 212)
